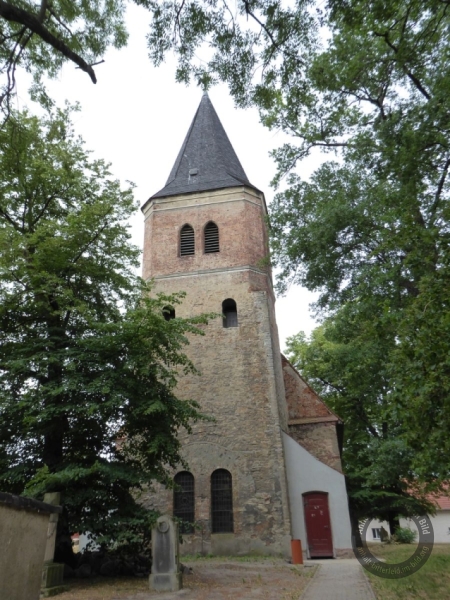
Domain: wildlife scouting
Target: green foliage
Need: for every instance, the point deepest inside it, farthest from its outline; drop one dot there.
(370, 231)
(41, 38)
(404, 535)
(345, 363)
(88, 364)
(271, 38)
(265, 34)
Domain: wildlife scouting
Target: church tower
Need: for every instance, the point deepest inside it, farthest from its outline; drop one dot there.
(268, 464)
(205, 234)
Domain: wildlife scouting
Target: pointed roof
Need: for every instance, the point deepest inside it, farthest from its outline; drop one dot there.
(207, 160)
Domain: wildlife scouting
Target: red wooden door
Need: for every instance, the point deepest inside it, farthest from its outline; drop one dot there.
(318, 526)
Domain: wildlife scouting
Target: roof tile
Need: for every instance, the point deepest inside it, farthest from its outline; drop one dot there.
(207, 160)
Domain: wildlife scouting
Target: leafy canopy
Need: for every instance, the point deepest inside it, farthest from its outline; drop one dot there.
(88, 363)
(368, 86)
(370, 229)
(346, 363)
(238, 40)
(40, 37)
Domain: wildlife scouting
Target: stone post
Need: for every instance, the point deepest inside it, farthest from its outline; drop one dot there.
(52, 573)
(166, 575)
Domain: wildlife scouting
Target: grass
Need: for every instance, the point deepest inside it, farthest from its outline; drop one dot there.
(188, 558)
(431, 582)
(101, 588)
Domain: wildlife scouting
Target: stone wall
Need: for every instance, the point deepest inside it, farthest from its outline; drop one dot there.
(23, 531)
(241, 383)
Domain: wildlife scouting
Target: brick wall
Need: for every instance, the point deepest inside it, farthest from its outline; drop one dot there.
(241, 382)
(320, 440)
(311, 423)
(239, 215)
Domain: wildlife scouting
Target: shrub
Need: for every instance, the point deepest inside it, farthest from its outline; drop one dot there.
(404, 535)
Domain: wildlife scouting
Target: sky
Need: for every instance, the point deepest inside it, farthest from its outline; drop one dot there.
(136, 117)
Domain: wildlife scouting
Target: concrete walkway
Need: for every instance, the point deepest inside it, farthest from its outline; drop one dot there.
(341, 579)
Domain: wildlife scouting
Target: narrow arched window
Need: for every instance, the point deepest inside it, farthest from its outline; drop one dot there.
(187, 241)
(168, 313)
(211, 238)
(221, 502)
(229, 310)
(183, 501)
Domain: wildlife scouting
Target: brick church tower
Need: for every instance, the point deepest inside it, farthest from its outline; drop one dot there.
(205, 234)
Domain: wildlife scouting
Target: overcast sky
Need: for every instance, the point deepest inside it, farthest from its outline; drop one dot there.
(137, 117)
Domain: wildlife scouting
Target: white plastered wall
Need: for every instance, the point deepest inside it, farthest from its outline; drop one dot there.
(440, 522)
(307, 474)
(441, 526)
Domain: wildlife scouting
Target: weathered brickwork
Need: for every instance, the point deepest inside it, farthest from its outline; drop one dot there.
(302, 401)
(320, 440)
(237, 212)
(311, 423)
(241, 382)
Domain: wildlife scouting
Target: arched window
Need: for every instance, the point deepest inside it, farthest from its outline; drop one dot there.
(211, 238)
(187, 241)
(221, 502)
(229, 310)
(168, 313)
(183, 501)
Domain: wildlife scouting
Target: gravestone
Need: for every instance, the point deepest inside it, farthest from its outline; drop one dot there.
(166, 575)
(52, 573)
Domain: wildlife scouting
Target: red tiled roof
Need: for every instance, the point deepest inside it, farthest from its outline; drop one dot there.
(443, 502)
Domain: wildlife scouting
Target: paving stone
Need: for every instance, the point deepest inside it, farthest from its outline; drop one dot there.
(339, 580)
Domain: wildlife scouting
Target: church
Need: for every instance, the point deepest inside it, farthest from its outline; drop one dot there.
(267, 468)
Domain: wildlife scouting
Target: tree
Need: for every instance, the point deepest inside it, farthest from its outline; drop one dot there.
(41, 36)
(345, 363)
(372, 229)
(88, 363)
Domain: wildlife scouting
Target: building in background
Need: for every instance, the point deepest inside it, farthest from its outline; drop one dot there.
(268, 468)
(440, 522)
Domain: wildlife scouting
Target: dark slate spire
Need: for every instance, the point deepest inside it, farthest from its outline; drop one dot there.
(206, 160)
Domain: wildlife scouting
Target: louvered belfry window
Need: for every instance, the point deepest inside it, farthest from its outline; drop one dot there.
(187, 241)
(184, 501)
(211, 238)
(221, 502)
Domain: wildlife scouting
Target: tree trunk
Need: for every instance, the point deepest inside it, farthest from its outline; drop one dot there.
(54, 434)
(356, 534)
(394, 522)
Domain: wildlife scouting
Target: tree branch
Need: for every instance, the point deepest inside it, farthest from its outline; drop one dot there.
(10, 220)
(440, 187)
(17, 15)
(91, 241)
(42, 11)
(408, 73)
(267, 31)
